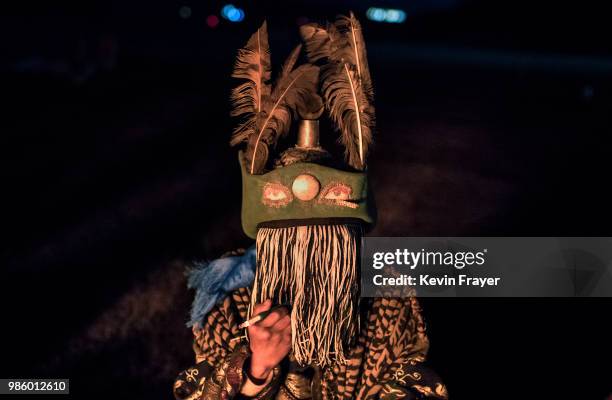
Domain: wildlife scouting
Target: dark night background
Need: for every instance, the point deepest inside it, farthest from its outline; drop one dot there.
(493, 120)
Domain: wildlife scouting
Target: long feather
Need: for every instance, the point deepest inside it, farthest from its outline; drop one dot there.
(276, 118)
(346, 83)
(354, 37)
(254, 66)
(350, 110)
(267, 112)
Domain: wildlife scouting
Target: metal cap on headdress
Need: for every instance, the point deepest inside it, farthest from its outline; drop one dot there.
(308, 134)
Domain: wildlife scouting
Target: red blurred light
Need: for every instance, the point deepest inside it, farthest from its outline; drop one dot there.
(212, 21)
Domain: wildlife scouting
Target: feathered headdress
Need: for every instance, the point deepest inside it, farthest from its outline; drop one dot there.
(345, 82)
(267, 109)
(304, 182)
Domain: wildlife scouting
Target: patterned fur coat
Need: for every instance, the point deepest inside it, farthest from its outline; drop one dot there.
(387, 361)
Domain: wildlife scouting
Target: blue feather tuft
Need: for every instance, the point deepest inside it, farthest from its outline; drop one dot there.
(214, 280)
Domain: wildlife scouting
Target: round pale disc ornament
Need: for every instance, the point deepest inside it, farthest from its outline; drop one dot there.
(305, 187)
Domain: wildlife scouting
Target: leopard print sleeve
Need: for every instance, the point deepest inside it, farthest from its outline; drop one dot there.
(219, 354)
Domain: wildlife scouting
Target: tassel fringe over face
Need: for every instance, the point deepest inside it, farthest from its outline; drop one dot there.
(315, 269)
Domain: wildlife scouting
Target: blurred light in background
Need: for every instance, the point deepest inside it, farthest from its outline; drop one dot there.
(231, 13)
(185, 12)
(212, 21)
(587, 92)
(390, 15)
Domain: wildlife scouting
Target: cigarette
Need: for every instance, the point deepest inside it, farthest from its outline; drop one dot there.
(238, 338)
(259, 317)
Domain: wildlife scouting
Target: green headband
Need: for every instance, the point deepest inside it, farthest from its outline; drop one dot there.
(318, 193)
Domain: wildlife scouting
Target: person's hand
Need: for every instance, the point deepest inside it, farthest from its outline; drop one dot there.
(270, 339)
